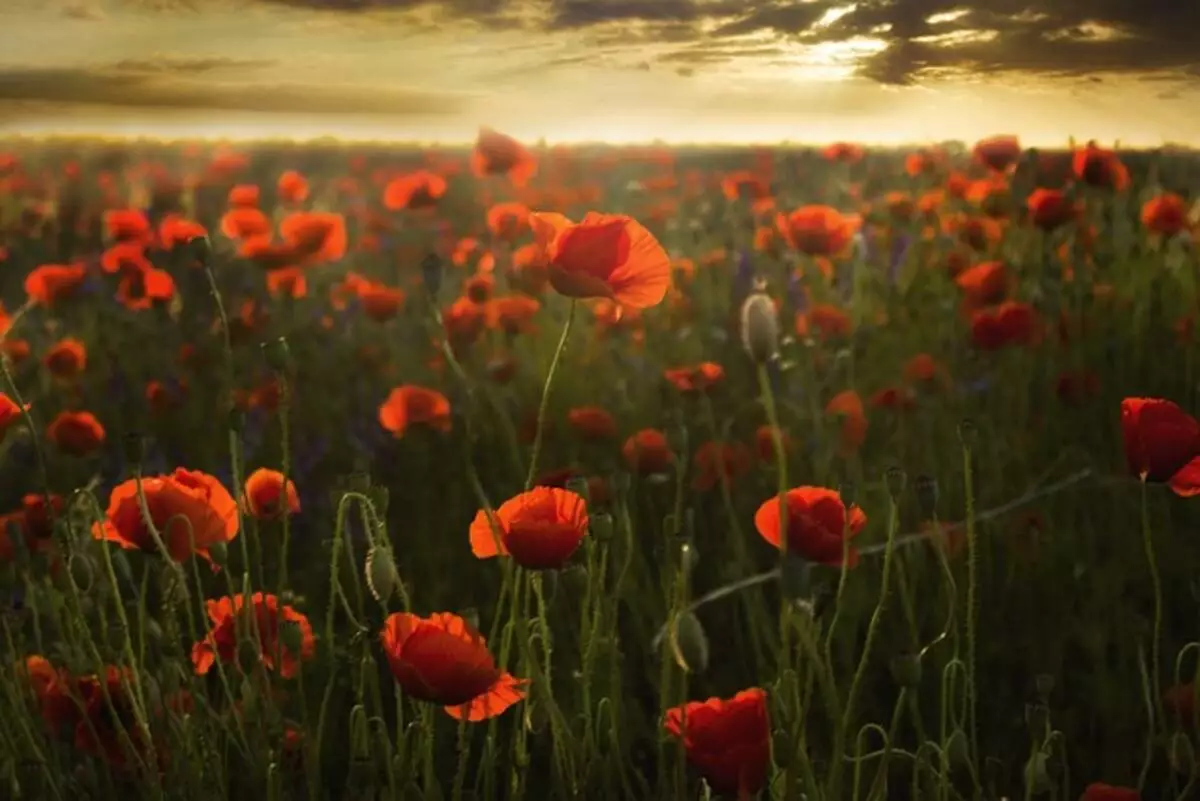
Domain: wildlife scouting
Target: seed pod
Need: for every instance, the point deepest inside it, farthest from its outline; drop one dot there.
(80, 568)
(278, 355)
(760, 328)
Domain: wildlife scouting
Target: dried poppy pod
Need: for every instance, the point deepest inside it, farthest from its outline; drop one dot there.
(760, 327)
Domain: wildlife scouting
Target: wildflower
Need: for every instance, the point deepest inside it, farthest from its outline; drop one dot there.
(76, 433)
(592, 422)
(66, 359)
(817, 230)
(998, 153)
(411, 404)
(1162, 443)
(818, 523)
(270, 617)
(191, 511)
(603, 256)
(497, 154)
(264, 494)
(419, 190)
(728, 741)
(540, 528)
(695, 379)
(444, 660)
(1098, 791)
(647, 452)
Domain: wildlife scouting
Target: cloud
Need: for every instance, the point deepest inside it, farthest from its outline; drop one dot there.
(114, 87)
(183, 65)
(83, 11)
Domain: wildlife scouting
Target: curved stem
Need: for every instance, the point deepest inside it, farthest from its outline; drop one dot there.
(545, 404)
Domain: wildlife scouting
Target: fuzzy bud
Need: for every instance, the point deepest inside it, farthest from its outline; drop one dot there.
(689, 643)
(760, 328)
(381, 573)
(278, 355)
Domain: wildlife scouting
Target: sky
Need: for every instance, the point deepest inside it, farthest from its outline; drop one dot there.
(704, 71)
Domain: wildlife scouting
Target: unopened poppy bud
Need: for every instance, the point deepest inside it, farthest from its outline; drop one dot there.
(781, 745)
(219, 553)
(579, 486)
(1037, 775)
(360, 734)
(1181, 753)
(926, 489)
(1044, 685)
(379, 499)
(896, 480)
(80, 568)
(906, 670)
(536, 717)
(248, 656)
(968, 432)
(1037, 718)
(381, 573)
(278, 355)
(470, 616)
(601, 526)
(760, 328)
(291, 636)
(431, 274)
(958, 748)
(796, 578)
(689, 643)
(200, 249)
(135, 449)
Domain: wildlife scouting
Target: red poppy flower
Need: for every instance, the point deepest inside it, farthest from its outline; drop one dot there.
(695, 379)
(716, 459)
(1050, 208)
(222, 641)
(603, 256)
(540, 528)
(764, 443)
(998, 152)
(444, 660)
(1162, 443)
(51, 283)
(1166, 214)
(497, 154)
(412, 404)
(728, 741)
(419, 190)
(592, 422)
(817, 230)
(264, 494)
(817, 525)
(66, 359)
(76, 433)
(1101, 168)
(1010, 323)
(647, 452)
(187, 507)
(1098, 791)
(10, 413)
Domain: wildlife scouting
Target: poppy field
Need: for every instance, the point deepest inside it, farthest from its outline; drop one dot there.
(338, 471)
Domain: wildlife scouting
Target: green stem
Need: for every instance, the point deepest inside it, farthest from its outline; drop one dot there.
(541, 417)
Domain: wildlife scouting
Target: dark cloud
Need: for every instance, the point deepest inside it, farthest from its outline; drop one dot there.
(175, 65)
(84, 11)
(584, 13)
(112, 87)
(717, 53)
(462, 8)
(1072, 38)
(785, 17)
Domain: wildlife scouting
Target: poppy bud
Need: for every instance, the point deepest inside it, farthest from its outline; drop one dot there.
(536, 717)
(926, 489)
(760, 328)
(1181, 753)
(379, 499)
(906, 670)
(431, 274)
(601, 526)
(796, 578)
(360, 735)
(968, 432)
(381, 573)
(248, 658)
(471, 616)
(689, 557)
(1037, 775)
(848, 491)
(135, 449)
(80, 568)
(200, 249)
(1045, 686)
(237, 421)
(1037, 719)
(896, 479)
(219, 553)
(579, 486)
(278, 355)
(291, 636)
(689, 643)
(958, 748)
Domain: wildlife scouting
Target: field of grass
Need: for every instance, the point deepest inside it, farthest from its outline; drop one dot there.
(358, 472)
